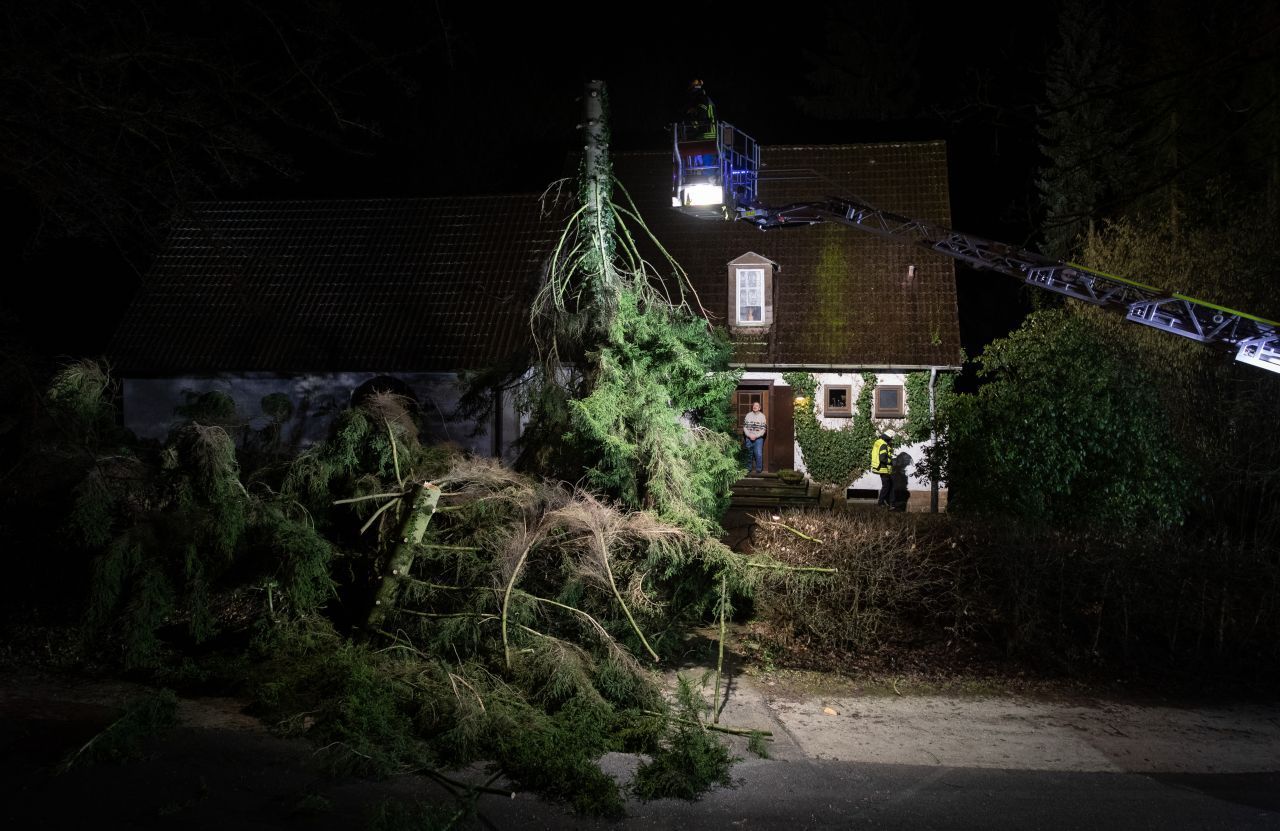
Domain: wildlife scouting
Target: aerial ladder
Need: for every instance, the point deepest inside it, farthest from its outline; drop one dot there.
(716, 173)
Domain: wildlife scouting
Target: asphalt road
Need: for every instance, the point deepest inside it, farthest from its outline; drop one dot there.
(836, 762)
(793, 796)
(916, 762)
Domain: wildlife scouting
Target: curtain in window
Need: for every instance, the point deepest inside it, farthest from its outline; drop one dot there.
(750, 295)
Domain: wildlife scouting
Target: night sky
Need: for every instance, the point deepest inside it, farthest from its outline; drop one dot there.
(455, 98)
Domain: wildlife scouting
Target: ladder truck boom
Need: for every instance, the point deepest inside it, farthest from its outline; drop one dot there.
(715, 176)
(1256, 341)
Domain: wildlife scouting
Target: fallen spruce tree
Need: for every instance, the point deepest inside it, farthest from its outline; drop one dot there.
(411, 610)
(543, 612)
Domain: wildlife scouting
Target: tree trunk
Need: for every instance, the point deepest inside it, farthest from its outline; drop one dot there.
(422, 500)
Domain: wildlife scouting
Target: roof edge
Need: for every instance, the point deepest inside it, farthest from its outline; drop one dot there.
(845, 367)
(870, 145)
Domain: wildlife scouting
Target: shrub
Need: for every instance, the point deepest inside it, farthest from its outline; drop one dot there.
(1067, 430)
(889, 579)
(1069, 599)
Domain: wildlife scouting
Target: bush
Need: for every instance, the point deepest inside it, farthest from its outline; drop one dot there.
(1066, 599)
(1067, 430)
(889, 579)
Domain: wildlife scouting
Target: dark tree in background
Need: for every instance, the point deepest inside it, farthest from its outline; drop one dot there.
(910, 73)
(865, 67)
(1151, 107)
(1160, 168)
(1083, 126)
(115, 114)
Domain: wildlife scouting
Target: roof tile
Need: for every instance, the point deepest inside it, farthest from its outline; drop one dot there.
(445, 284)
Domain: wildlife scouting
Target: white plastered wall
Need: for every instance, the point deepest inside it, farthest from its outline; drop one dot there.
(150, 406)
(853, 379)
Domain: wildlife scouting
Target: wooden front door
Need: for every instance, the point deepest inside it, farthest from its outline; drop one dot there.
(780, 453)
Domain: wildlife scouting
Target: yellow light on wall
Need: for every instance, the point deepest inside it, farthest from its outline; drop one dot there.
(801, 400)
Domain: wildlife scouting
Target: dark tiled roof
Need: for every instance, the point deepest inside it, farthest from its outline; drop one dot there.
(383, 284)
(843, 296)
(445, 284)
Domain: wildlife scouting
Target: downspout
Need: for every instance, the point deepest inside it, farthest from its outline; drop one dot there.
(933, 437)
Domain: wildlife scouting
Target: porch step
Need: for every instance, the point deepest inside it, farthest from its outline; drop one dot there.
(768, 491)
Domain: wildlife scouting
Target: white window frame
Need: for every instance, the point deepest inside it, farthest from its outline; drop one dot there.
(742, 275)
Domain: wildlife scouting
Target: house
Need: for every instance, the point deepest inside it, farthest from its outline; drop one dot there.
(316, 300)
(321, 300)
(830, 300)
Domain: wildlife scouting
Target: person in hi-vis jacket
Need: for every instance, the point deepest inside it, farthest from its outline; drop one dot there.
(882, 463)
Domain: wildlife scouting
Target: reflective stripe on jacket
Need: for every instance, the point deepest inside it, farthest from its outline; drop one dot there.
(881, 457)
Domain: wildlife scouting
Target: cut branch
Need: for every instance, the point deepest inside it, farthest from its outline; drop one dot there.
(736, 731)
(800, 534)
(608, 570)
(370, 496)
(391, 504)
(715, 700)
(779, 567)
(506, 601)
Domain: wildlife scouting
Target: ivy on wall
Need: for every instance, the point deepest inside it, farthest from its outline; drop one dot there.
(833, 457)
(916, 426)
(839, 456)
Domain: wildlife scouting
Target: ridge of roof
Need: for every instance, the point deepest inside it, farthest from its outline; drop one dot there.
(319, 200)
(844, 146)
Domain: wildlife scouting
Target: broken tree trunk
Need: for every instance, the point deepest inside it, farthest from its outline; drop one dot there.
(422, 500)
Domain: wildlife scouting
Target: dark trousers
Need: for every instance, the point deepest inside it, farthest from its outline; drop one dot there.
(886, 490)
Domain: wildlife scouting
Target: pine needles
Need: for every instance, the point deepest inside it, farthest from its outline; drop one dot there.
(502, 617)
(630, 393)
(122, 740)
(691, 760)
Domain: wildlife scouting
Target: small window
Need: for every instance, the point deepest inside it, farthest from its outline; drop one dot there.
(890, 402)
(839, 401)
(751, 297)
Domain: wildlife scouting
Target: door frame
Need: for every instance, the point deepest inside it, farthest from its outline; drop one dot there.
(750, 391)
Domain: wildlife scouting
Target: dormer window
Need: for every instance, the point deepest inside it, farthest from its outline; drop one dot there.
(750, 296)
